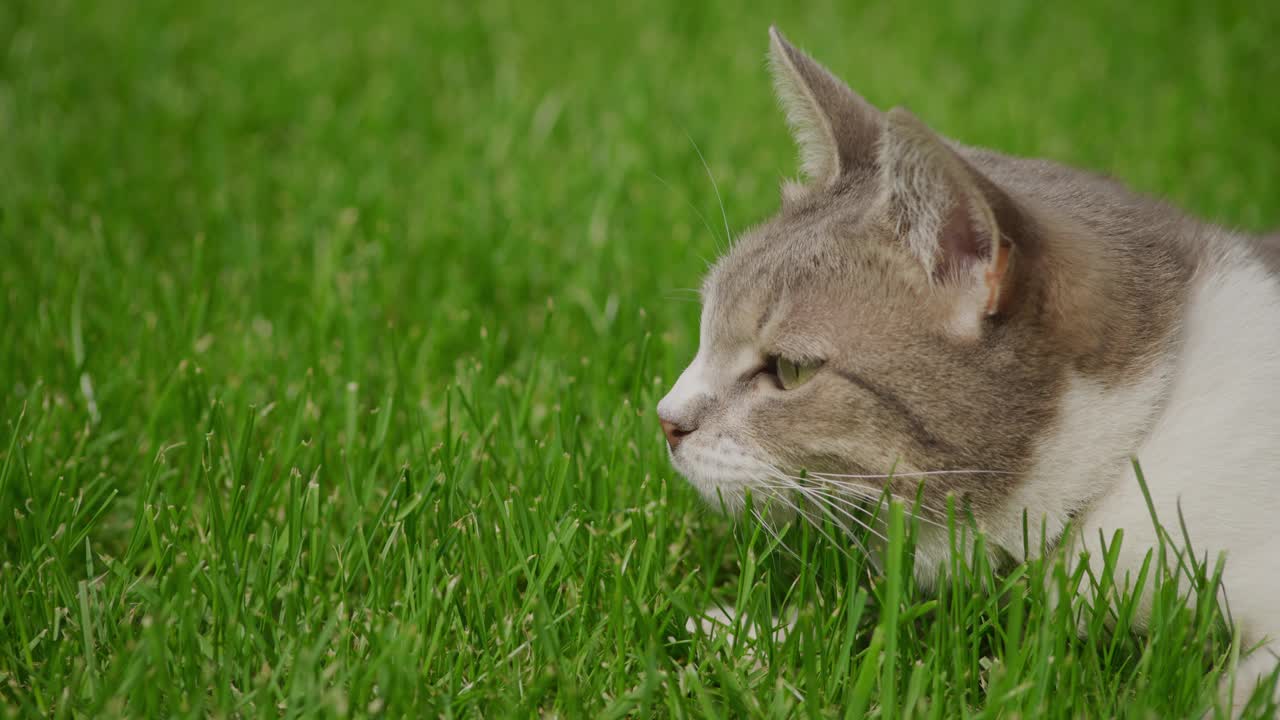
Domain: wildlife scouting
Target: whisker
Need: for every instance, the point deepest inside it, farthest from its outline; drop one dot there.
(840, 503)
(877, 495)
(926, 473)
(829, 511)
(728, 236)
(782, 496)
(768, 527)
(817, 526)
(826, 507)
(694, 208)
(909, 504)
(871, 493)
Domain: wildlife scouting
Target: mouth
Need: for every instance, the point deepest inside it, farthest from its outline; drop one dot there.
(712, 490)
(734, 482)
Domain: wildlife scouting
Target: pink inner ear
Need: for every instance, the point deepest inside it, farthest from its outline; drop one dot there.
(959, 245)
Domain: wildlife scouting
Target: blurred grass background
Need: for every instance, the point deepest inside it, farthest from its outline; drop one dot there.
(331, 333)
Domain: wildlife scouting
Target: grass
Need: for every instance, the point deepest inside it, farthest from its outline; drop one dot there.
(330, 336)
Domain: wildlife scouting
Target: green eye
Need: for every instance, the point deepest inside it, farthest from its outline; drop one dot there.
(792, 374)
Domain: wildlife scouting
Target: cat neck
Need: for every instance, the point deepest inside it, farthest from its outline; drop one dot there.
(1219, 426)
(1201, 415)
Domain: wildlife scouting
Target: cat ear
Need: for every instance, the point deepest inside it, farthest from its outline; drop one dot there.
(947, 213)
(835, 128)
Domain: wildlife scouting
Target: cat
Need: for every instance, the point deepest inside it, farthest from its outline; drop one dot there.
(1007, 333)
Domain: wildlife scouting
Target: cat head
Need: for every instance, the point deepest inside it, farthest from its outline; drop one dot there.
(898, 315)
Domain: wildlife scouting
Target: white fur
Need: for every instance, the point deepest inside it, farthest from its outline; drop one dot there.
(700, 381)
(1204, 422)
(720, 468)
(694, 383)
(1098, 429)
(721, 621)
(723, 470)
(1214, 451)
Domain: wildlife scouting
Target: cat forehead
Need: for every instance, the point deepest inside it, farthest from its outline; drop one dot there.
(771, 272)
(814, 233)
(805, 249)
(765, 266)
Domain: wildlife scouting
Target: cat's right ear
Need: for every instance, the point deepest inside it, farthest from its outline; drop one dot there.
(951, 218)
(835, 128)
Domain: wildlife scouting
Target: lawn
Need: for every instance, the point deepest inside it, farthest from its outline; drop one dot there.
(331, 333)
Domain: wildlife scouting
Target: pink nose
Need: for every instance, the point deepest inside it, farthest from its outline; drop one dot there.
(675, 434)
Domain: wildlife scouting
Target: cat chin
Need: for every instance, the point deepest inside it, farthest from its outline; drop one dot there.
(726, 493)
(728, 476)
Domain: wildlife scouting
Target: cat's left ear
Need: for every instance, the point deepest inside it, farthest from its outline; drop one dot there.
(951, 217)
(835, 128)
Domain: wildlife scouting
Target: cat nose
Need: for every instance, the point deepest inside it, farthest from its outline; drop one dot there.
(675, 433)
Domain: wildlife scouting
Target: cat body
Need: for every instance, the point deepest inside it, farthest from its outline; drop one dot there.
(1002, 333)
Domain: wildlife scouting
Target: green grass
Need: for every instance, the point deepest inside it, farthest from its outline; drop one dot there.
(330, 336)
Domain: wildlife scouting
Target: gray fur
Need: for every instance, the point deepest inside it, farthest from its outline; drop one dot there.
(957, 310)
(848, 273)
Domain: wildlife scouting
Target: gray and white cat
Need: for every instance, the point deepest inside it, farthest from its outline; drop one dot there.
(1012, 331)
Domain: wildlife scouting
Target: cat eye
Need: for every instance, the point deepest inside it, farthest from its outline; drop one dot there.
(792, 374)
